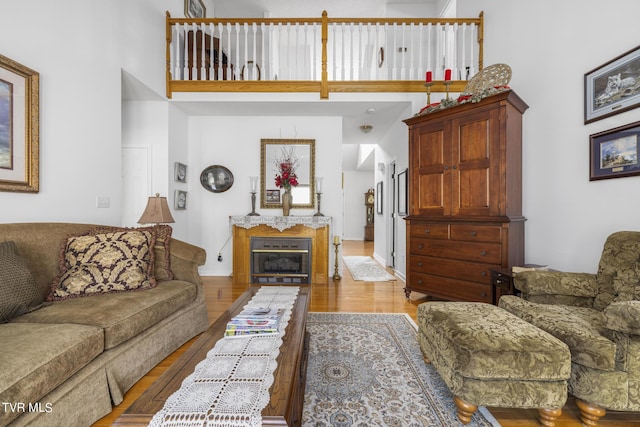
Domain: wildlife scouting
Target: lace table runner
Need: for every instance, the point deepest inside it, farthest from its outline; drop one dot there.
(230, 387)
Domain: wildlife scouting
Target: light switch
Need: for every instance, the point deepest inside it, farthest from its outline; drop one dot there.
(103, 202)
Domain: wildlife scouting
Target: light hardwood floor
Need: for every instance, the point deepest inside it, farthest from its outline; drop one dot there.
(348, 295)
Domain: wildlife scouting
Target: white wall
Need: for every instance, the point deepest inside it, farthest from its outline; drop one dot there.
(234, 142)
(355, 185)
(79, 108)
(550, 45)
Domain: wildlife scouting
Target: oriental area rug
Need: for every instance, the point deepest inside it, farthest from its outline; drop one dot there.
(367, 269)
(367, 370)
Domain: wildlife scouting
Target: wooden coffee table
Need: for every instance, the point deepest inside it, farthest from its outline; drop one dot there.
(287, 391)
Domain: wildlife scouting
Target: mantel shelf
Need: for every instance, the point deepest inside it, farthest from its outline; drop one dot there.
(280, 223)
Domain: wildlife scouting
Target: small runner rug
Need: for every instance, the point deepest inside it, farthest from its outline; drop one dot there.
(367, 269)
(367, 370)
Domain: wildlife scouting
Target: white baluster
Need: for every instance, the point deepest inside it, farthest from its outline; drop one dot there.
(255, 73)
(232, 56)
(439, 68)
(472, 63)
(221, 72)
(421, 66)
(463, 56)
(176, 56)
(429, 61)
(265, 67)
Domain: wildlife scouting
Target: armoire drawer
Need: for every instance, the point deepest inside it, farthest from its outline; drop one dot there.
(476, 233)
(464, 270)
(429, 230)
(447, 288)
(483, 252)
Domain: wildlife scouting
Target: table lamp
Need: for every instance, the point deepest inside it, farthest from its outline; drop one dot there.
(156, 212)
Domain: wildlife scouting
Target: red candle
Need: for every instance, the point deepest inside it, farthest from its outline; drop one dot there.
(429, 77)
(447, 74)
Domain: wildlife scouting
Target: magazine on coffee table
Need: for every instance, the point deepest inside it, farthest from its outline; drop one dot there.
(254, 322)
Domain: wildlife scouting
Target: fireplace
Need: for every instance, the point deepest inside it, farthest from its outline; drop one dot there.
(285, 260)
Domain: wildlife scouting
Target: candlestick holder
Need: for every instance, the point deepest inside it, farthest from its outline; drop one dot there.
(253, 205)
(318, 197)
(336, 275)
(447, 83)
(428, 86)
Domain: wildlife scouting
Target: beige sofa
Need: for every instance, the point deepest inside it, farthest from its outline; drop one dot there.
(68, 362)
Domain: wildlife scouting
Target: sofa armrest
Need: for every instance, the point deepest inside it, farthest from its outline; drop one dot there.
(546, 285)
(623, 316)
(185, 259)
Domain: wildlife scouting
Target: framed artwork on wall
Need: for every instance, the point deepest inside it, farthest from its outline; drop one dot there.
(19, 127)
(180, 202)
(194, 9)
(180, 172)
(216, 178)
(613, 87)
(614, 153)
(379, 198)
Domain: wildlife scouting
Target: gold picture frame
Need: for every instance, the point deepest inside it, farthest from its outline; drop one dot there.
(19, 127)
(305, 152)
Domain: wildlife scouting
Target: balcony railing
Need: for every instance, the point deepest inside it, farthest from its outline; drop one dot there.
(320, 54)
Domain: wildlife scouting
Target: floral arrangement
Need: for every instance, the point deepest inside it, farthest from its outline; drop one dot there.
(286, 167)
(462, 99)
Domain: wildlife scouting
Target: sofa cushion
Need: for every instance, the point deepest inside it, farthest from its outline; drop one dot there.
(40, 357)
(121, 315)
(162, 255)
(582, 329)
(103, 263)
(18, 291)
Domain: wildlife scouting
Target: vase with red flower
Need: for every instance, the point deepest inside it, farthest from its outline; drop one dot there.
(286, 177)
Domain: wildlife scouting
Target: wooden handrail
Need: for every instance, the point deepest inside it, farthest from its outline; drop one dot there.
(324, 86)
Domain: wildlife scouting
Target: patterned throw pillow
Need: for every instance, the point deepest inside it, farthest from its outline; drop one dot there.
(162, 254)
(101, 263)
(18, 291)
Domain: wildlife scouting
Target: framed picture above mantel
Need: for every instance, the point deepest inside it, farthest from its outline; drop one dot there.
(19, 127)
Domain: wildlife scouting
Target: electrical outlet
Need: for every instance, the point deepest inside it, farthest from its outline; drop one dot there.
(103, 202)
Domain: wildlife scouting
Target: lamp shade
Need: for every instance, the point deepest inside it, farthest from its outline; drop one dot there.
(156, 212)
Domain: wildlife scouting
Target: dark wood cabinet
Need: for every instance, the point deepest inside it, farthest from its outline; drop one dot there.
(465, 197)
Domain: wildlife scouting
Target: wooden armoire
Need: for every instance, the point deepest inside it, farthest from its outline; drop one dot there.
(465, 197)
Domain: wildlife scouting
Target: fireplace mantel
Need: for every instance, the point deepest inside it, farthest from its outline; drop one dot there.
(280, 223)
(314, 227)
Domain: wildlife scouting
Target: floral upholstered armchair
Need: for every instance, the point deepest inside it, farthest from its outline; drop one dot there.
(598, 317)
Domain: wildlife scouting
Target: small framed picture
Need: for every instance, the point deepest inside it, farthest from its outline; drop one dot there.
(272, 196)
(379, 198)
(180, 202)
(180, 172)
(613, 87)
(614, 153)
(194, 9)
(402, 192)
(216, 178)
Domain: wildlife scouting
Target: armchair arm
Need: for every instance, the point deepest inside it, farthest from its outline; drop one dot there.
(623, 316)
(556, 287)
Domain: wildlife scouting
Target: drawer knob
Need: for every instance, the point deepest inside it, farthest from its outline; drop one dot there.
(474, 233)
(483, 274)
(483, 253)
(420, 282)
(420, 246)
(427, 231)
(483, 294)
(420, 264)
